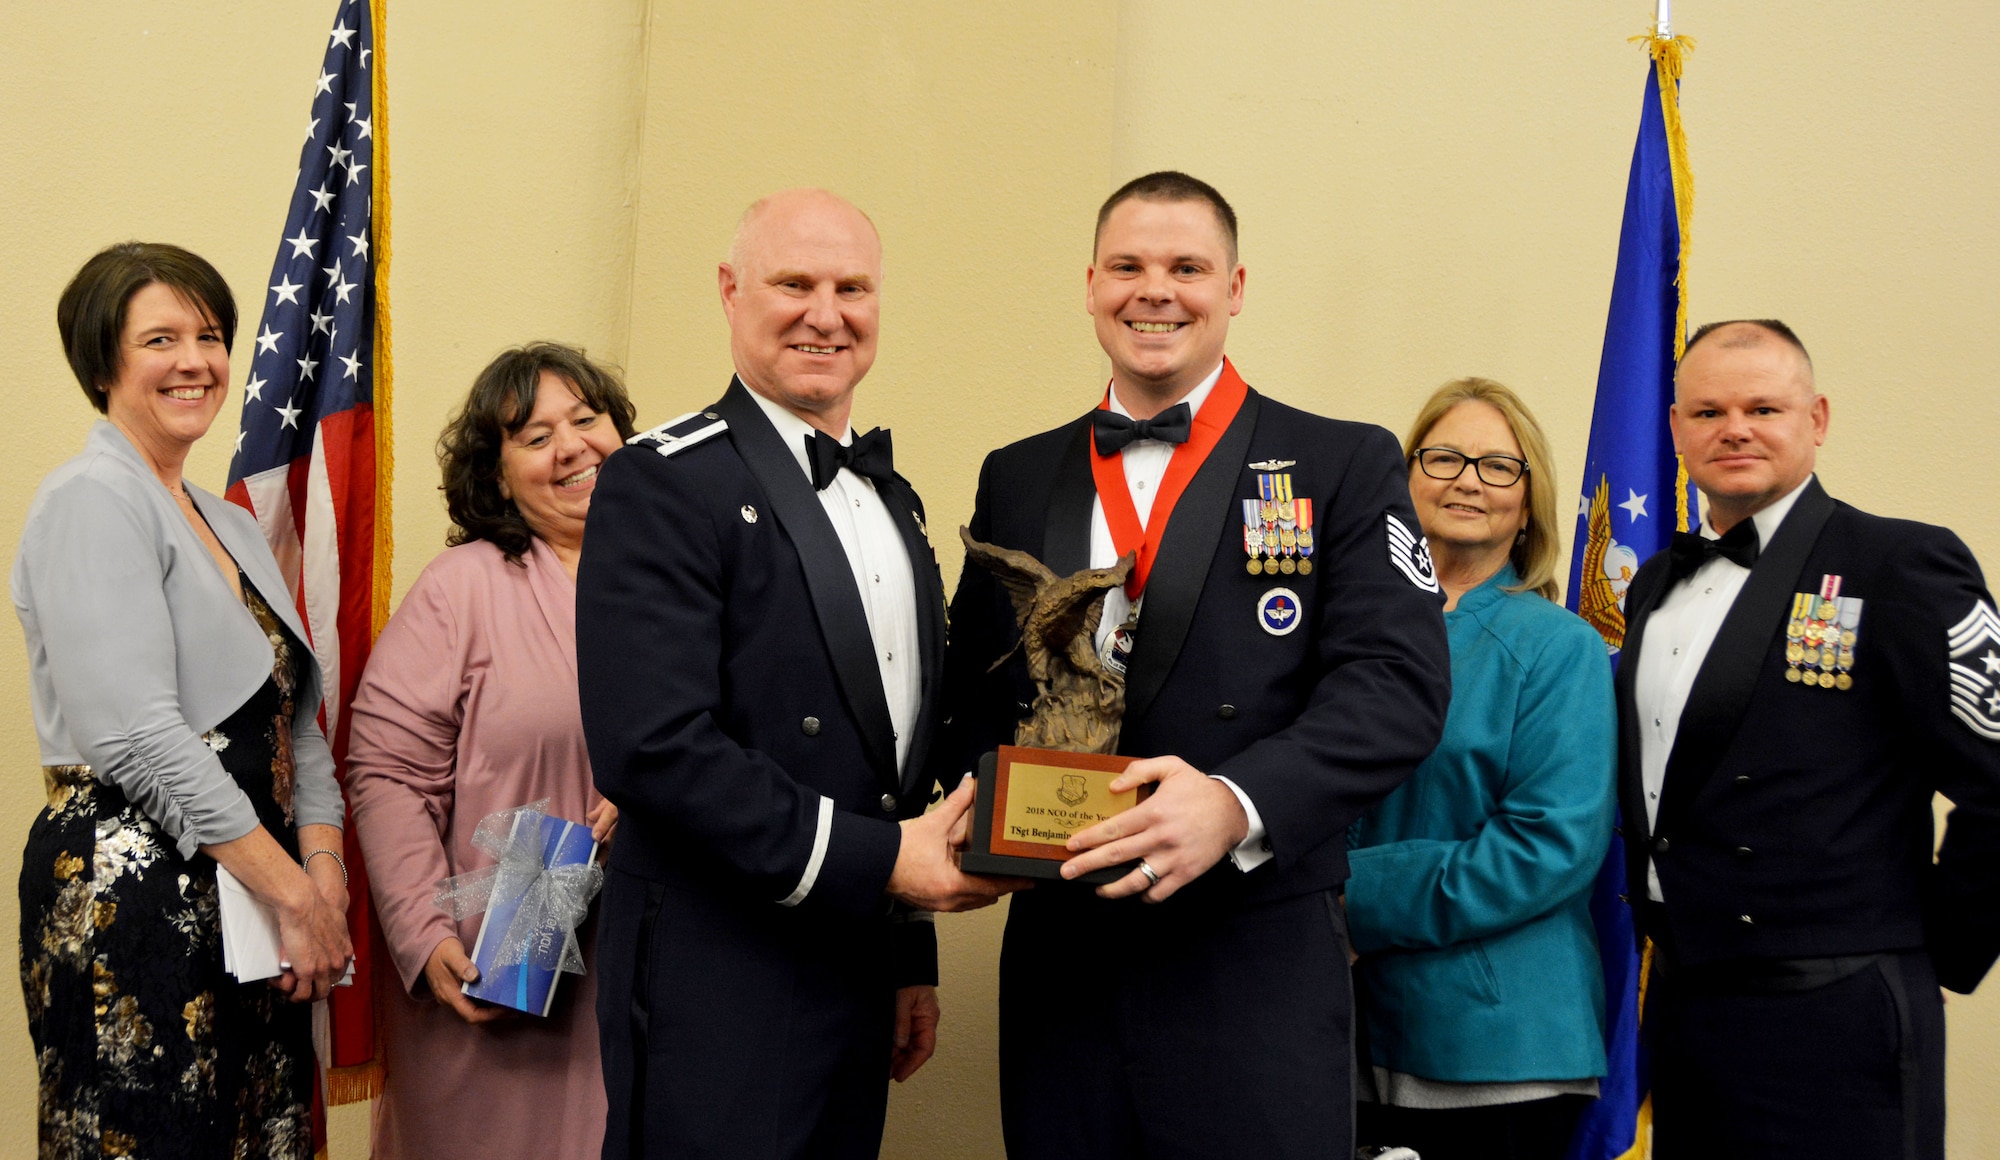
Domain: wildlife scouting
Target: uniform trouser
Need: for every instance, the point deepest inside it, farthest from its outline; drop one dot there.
(1129, 1030)
(1852, 1068)
(738, 1032)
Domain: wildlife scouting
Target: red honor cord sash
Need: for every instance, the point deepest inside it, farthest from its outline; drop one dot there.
(1127, 535)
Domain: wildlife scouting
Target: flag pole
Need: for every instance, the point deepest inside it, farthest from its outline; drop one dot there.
(1665, 18)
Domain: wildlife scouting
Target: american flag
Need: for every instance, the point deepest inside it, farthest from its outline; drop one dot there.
(305, 459)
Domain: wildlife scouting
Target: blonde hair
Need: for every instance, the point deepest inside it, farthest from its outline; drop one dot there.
(1534, 554)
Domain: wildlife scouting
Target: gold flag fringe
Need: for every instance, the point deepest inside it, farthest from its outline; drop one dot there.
(385, 443)
(351, 1085)
(1669, 53)
(1642, 1134)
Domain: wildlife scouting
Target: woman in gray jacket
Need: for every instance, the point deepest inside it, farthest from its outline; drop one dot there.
(175, 704)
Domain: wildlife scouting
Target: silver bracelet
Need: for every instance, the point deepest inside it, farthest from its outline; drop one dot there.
(336, 861)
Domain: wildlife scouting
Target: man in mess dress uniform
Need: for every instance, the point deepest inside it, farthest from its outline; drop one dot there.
(1285, 667)
(760, 636)
(1799, 679)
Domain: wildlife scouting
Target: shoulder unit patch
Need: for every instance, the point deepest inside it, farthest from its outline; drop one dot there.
(677, 435)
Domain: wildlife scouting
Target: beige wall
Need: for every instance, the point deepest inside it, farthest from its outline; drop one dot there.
(1426, 191)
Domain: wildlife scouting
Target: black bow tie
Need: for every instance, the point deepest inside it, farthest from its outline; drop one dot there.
(1113, 431)
(869, 455)
(1691, 550)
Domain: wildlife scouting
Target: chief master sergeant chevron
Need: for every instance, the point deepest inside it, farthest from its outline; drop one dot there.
(760, 635)
(1286, 670)
(1799, 679)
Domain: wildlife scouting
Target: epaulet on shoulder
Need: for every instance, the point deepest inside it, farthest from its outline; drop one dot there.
(677, 435)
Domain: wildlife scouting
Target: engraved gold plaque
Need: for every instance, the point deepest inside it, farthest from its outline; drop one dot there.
(1031, 801)
(1040, 806)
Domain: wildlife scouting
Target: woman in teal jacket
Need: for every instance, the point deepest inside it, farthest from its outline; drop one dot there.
(1482, 994)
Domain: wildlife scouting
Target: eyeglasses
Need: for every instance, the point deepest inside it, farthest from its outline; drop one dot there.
(1495, 470)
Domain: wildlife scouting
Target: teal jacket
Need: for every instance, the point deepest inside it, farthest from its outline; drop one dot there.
(1470, 896)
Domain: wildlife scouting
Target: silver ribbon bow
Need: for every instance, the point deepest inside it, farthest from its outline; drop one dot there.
(553, 902)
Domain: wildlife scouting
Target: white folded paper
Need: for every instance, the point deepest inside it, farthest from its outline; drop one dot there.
(250, 949)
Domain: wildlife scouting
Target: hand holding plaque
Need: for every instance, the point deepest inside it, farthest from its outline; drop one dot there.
(1055, 779)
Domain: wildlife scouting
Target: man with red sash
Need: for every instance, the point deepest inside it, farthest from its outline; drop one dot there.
(1285, 668)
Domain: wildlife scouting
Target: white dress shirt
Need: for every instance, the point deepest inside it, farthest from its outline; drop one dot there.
(1145, 466)
(1678, 635)
(882, 576)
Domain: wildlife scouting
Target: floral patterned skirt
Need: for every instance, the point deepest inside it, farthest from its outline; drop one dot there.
(145, 1046)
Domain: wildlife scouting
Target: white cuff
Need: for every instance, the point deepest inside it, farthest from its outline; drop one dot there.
(821, 836)
(1255, 848)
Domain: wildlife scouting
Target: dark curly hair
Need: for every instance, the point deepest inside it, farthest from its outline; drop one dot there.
(502, 399)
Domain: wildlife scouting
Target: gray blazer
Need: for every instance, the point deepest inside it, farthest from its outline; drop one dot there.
(137, 646)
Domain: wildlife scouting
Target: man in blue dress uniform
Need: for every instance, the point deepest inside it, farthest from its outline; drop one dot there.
(1799, 679)
(760, 639)
(1285, 668)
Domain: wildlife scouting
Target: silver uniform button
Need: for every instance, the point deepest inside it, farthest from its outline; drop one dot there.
(888, 803)
(1746, 920)
(810, 726)
(749, 514)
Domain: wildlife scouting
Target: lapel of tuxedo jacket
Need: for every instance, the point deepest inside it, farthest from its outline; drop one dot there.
(1722, 689)
(1187, 552)
(1640, 599)
(1066, 531)
(902, 501)
(828, 576)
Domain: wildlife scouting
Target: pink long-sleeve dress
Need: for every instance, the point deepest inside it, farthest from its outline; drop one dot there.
(469, 706)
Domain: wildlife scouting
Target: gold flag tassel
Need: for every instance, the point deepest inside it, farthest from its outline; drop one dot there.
(385, 443)
(1669, 53)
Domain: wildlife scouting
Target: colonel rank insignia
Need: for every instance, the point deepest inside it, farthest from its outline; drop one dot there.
(1277, 528)
(1820, 637)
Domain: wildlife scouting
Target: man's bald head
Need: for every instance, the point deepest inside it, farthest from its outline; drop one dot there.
(1743, 334)
(782, 204)
(801, 290)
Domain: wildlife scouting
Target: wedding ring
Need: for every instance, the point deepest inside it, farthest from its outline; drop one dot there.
(1152, 875)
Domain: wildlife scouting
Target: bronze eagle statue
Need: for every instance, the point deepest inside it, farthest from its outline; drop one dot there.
(1079, 702)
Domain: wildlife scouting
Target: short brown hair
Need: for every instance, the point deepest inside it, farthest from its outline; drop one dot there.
(1169, 185)
(502, 399)
(1770, 326)
(91, 312)
(1534, 555)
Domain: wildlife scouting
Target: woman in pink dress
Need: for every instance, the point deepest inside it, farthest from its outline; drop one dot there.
(468, 707)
